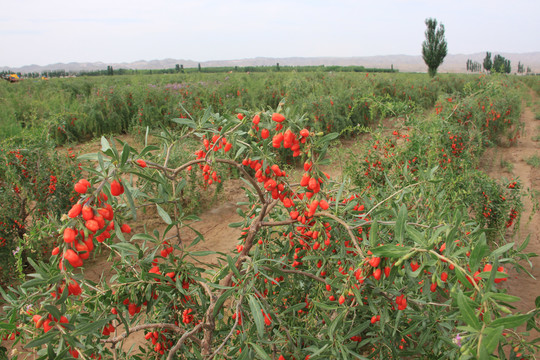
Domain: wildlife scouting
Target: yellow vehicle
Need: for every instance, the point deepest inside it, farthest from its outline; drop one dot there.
(12, 78)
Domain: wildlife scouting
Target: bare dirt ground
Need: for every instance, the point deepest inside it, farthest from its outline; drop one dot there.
(511, 162)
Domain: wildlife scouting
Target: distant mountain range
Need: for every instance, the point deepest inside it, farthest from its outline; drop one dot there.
(404, 63)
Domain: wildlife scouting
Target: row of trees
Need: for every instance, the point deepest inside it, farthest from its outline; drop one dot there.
(473, 66)
(499, 64)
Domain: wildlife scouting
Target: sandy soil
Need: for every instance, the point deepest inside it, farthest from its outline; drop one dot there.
(519, 284)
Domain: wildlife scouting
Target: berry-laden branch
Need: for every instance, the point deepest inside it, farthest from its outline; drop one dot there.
(137, 328)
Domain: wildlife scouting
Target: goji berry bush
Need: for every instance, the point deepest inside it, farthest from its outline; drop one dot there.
(406, 256)
(35, 184)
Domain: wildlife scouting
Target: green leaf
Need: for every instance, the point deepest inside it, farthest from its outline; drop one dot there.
(417, 236)
(329, 137)
(524, 243)
(479, 251)
(324, 306)
(42, 339)
(104, 144)
(467, 312)
(33, 283)
(511, 321)
(400, 223)
(202, 253)
(7, 326)
(124, 247)
(164, 215)
(131, 203)
(502, 250)
(53, 310)
(184, 121)
(374, 234)
(142, 236)
(90, 156)
(260, 351)
(391, 251)
(125, 154)
(230, 261)
(503, 297)
(335, 323)
(147, 149)
(91, 327)
(256, 312)
(491, 337)
(222, 299)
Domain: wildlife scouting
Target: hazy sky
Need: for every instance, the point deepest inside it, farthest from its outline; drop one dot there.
(49, 31)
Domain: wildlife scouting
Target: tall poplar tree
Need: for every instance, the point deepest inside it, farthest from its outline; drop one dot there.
(487, 62)
(434, 48)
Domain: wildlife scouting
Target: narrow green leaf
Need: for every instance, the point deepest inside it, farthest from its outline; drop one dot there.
(222, 299)
(202, 253)
(42, 339)
(131, 203)
(491, 337)
(502, 250)
(467, 312)
(184, 121)
(257, 315)
(104, 144)
(260, 351)
(479, 251)
(503, 297)
(329, 137)
(510, 321)
(374, 234)
(232, 266)
(90, 327)
(164, 215)
(399, 228)
(53, 310)
(524, 243)
(6, 326)
(125, 154)
(125, 248)
(391, 251)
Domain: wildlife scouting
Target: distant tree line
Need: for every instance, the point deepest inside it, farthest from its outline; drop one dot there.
(179, 69)
(473, 66)
(501, 65)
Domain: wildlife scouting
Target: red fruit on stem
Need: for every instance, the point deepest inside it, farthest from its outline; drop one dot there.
(375, 261)
(80, 187)
(92, 225)
(69, 235)
(75, 210)
(377, 274)
(125, 228)
(87, 213)
(278, 117)
(323, 204)
(116, 188)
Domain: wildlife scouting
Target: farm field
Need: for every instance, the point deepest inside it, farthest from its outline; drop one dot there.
(373, 216)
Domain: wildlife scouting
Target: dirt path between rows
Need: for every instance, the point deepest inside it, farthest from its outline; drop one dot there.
(511, 163)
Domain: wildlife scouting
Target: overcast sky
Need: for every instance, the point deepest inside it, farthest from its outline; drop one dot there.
(49, 31)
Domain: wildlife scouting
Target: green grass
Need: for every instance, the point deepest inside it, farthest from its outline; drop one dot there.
(507, 165)
(533, 160)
